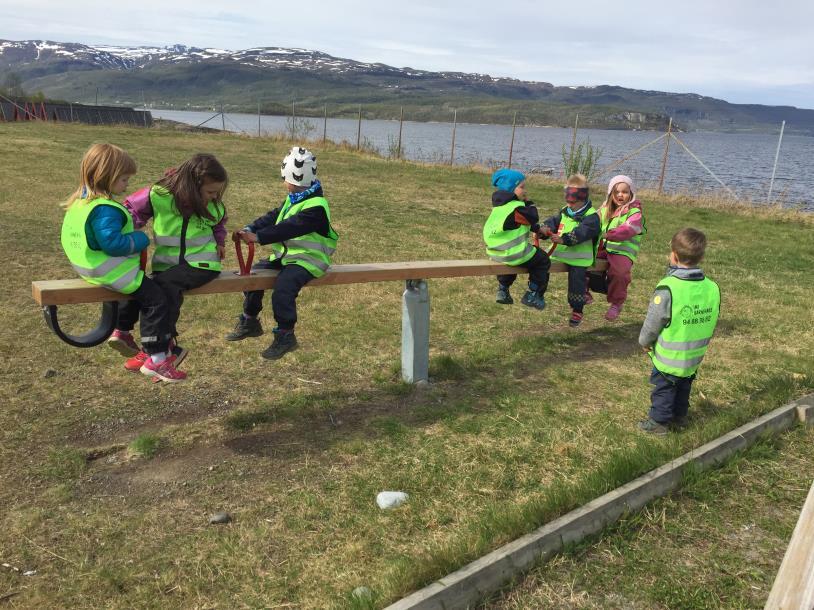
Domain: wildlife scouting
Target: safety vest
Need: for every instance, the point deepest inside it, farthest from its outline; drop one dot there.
(681, 345)
(119, 273)
(511, 246)
(311, 251)
(579, 255)
(172, 231)
(629, 247)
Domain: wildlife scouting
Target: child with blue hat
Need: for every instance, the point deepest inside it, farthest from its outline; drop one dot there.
(506, 234)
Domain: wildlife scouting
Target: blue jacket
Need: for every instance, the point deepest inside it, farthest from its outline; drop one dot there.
(103, 231)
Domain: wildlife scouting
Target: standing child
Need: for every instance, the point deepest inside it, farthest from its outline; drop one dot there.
(99, 238)
(679, 325)
(506, 234)
(575, 230)
(189, 218)
(302, 241)
(622, 231)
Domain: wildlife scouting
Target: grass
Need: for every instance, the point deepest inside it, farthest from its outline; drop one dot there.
(717, 543)
(526, 418)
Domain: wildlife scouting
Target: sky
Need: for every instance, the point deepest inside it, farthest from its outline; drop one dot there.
(740, 51)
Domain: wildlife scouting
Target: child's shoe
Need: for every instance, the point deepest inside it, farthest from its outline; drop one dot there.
(613, 312)
(245, 327)
(503, 296)
(179, 352)
(164, 370)
(533, 299)
(135, 363)
(589, 298)
(681, 422)
(122, 341)
(283, 343)
(651, 426)
(575, 319)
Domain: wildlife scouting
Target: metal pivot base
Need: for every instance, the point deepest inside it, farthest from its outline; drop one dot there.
(415, 332)
(103, 330)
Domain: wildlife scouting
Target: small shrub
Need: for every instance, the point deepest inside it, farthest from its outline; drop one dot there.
(582, 160)
(145, 445)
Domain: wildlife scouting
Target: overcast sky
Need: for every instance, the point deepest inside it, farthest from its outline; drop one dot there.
(740, 51)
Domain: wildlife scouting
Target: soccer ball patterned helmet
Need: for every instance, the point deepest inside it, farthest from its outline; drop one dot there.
(299, 167)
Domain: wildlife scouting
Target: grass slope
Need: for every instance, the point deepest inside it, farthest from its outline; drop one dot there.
(110, 480)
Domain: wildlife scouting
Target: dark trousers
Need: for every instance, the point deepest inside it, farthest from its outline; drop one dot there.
(151, 302)
(289, 282)
(577, 286)
(172, 283)
(670, 397)
(538, 266)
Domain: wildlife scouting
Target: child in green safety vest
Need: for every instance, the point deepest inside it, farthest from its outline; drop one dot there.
(302, 241)
(189, 217)
(101, 242)
(680, 322)
(622, 231)
(575, 230)
(506, 234)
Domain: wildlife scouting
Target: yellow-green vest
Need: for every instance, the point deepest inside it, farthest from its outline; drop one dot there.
(172, 229)
(580, 255)
(119, 273)
(681, 345)
(629, 247)
(511, 246)
(311, 251)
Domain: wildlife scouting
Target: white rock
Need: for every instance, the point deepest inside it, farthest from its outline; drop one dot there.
(390, 499)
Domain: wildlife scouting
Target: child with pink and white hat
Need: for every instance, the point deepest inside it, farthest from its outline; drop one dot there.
(622, 230)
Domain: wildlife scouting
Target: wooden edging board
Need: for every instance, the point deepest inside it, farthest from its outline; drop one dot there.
(465, 587)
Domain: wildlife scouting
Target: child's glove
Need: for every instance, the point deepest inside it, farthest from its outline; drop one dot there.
(544, 232)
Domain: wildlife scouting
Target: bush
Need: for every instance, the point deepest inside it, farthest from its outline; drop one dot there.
(582, 160)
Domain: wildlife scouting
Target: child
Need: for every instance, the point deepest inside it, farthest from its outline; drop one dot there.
(302, 241)
(190, 236)
(622, 228)
(506, 234)
(99, 238)
(575, 230)
(680, 322)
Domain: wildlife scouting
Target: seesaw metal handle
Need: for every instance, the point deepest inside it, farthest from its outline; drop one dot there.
(92, 338)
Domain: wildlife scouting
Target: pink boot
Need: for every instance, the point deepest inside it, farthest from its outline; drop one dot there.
(613, 312)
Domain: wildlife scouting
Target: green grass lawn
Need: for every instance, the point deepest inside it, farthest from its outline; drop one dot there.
(109, 481)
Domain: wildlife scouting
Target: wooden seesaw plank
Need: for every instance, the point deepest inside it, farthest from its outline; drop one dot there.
(70, 292)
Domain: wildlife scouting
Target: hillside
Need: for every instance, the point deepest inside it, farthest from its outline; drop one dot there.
(190, 77)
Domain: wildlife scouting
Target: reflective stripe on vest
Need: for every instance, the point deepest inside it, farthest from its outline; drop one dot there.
(120, 273)
(311, 251)
(629, 247)
(510, 246)
(681, 346)
(579, 255)
(200, 247)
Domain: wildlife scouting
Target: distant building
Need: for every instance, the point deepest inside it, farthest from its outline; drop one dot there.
(16, 109)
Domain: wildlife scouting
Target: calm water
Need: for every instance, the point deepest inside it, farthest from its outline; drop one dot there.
(743, 162)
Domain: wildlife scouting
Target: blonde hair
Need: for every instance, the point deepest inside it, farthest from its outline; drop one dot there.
(689, 246)
(577, 180)
(102, 165)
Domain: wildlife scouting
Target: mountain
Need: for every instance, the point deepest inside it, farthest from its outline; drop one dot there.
(195, 78)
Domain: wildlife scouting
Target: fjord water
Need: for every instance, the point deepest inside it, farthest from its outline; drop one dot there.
(742, 161)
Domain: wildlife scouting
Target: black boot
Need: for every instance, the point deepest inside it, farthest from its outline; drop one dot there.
(245, 327)
(284, 342)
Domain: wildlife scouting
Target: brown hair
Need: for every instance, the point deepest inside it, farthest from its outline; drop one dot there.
(577, 180)
(689, 246)
(185, 184)
(102, 165)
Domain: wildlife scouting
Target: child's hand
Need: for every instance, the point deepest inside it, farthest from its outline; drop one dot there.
(544, 232)
(221, 252)
(557, 239)
(247, 236)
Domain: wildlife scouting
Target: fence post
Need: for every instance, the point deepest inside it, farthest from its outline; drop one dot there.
(258, 118)
(71, 106)
(325, 125)
(511, 145)
(454, 127)
(97, 97)
(573, 143)
(222, 118)
(415, 332)
(664, 159)
(401, 123)
(293, 121)
(359, 129)
(776, 155)
(144, 107)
